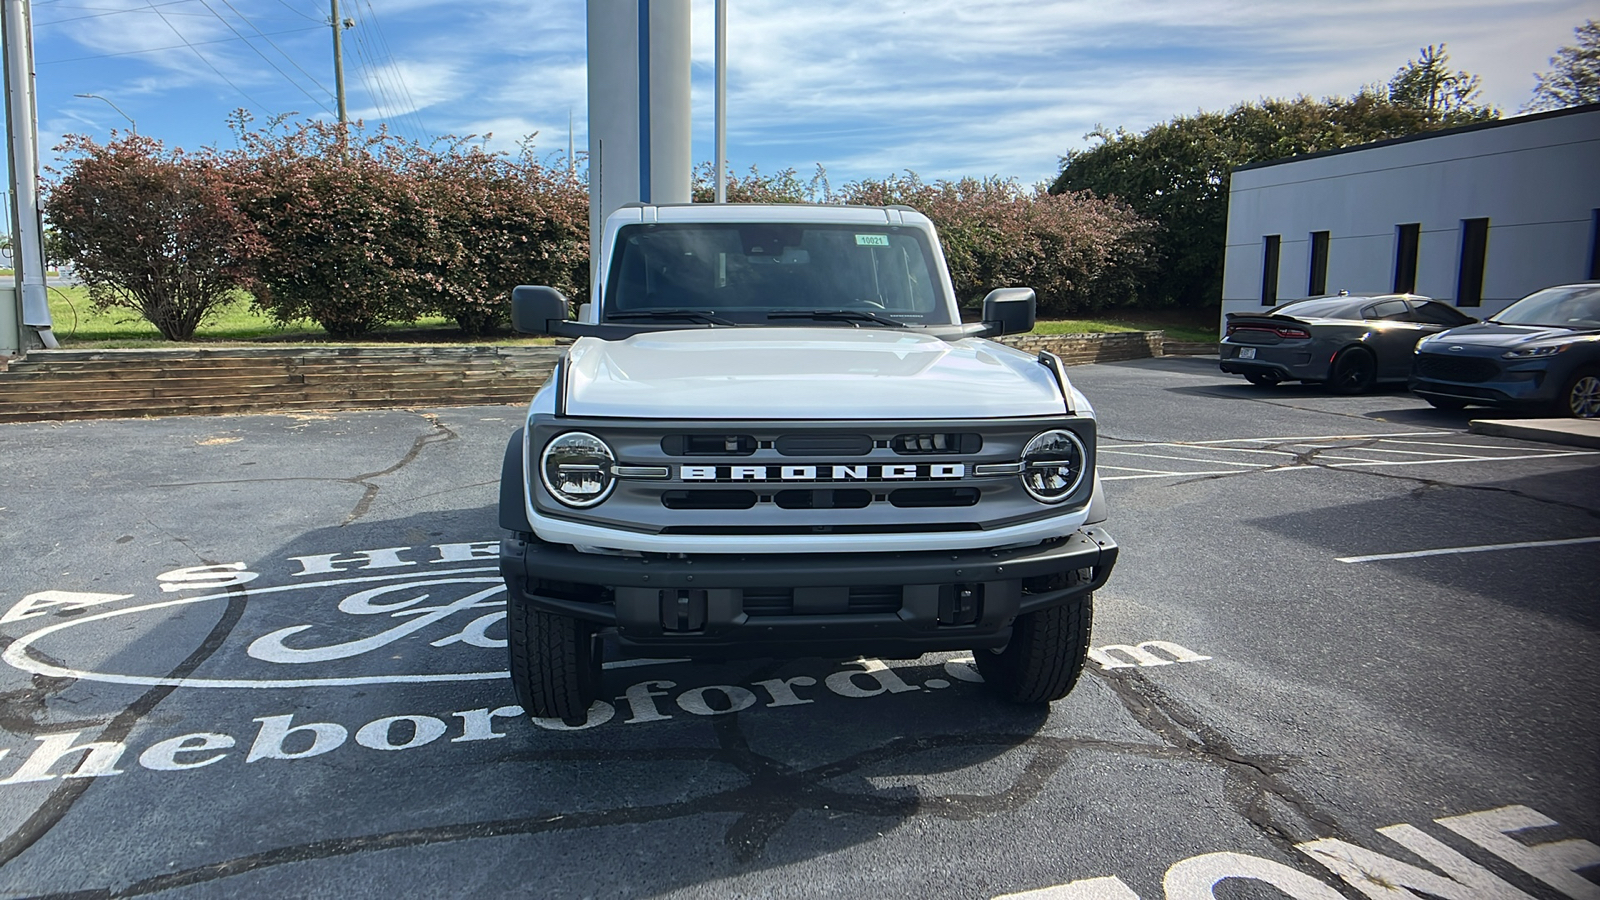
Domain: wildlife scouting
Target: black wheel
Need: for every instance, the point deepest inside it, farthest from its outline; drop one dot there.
(555, 663)
(1449, 403)
(1045, 655)
(1263, 379)
(1355, 371)
(1581, 398)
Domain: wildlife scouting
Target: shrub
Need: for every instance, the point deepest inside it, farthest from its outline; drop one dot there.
(151, 231)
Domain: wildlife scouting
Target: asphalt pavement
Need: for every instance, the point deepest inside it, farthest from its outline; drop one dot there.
(264, 655)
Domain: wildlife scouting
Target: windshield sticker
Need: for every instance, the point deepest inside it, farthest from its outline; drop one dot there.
(872, 240)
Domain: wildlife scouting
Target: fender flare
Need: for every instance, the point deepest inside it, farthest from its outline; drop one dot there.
(514, 487)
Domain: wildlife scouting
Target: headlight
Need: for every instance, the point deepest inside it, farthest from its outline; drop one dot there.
(576, 469)
(1052, 466)
(1534, 352)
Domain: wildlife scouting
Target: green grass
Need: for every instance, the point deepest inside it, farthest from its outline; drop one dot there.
(79, 326)
(1182, 330)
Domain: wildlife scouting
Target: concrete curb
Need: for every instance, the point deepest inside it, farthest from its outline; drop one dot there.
(1571, 432)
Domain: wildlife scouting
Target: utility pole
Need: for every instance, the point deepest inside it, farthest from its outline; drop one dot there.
(338, 63)
(27, 232)
(720, 115)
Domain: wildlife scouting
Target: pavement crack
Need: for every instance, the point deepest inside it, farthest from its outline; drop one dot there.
(439, 434)
(1254, 782)
(56, 806)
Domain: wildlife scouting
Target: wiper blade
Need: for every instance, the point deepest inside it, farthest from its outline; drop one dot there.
(841, 315)
(693, 315)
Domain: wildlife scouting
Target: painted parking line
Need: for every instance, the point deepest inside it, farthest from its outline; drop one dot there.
(1331, 451)
(1480, 548)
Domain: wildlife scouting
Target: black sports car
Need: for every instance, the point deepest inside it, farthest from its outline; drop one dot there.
(1541, 352)
(1348, 343)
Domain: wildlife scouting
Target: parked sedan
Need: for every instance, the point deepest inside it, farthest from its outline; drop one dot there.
(1348, 343)
(1541, 352)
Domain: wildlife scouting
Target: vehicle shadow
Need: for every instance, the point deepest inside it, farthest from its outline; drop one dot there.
(357, 704)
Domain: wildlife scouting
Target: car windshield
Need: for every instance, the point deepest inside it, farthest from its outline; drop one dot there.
(1572, 306)
(796, 273)
(1321, 308)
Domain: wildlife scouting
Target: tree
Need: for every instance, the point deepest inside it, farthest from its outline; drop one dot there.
(500, 222)
(1574, 76)
(155, 232)
(344, 222)
(1079, 253)
(1447, 98)
(1177, 173)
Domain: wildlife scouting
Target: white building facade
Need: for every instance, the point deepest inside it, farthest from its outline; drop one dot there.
(1477, 217)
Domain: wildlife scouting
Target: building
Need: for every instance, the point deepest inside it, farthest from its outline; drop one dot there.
(1477, 216)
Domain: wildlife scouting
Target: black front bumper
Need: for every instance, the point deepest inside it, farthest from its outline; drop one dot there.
(810, 604)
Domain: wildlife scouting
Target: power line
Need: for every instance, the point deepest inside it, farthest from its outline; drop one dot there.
(383, 45)
(286, 5)
(264, 57)
(383, 86)
(109, 11)
(274, 46)
(253, 102)
(226, 40)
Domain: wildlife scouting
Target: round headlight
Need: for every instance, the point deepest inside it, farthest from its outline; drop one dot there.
(576, 469)
(1052, 466)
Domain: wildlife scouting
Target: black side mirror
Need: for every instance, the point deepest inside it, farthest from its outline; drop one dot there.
(534, 308)
(1009, 310)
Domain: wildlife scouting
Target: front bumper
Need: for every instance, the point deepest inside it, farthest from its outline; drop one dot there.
(883, 604)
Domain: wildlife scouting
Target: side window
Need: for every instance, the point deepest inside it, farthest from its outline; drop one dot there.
(1436, 313)
(1386, 309)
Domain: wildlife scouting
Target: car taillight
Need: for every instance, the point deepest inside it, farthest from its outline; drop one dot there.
(1292, 333)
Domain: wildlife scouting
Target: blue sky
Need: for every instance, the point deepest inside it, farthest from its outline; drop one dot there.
(864, 88)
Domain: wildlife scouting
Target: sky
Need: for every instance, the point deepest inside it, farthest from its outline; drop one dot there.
(864, 89)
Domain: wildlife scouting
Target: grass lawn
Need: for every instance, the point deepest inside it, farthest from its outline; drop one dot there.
(78, 326)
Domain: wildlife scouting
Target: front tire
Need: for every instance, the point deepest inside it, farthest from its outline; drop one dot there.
(555, 663)
(1045, 656)
(1581, 397)
(1354, 371)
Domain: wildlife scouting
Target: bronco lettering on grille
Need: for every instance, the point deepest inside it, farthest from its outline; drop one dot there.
(902, 472)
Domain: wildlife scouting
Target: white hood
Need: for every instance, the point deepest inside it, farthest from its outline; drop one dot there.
(805, 373)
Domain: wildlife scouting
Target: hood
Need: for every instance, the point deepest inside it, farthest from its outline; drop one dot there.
(1494, 336)
(805, 373)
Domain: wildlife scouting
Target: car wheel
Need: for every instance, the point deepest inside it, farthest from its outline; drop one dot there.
(1355, 371)
(1263, 379)
(1045, 656)
(1581, 399)
(555, 663)
(1446, 403)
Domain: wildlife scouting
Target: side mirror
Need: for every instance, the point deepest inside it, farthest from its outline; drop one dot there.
(533, 308)
(1009, 310)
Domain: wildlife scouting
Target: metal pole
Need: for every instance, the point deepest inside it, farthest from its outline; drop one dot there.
(132, 125)
(721, 114)
(22, 120)
(338, 64)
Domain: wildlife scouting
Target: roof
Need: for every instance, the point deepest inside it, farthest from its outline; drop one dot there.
(1427, 135)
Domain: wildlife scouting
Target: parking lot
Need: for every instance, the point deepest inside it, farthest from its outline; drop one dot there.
(265, 655)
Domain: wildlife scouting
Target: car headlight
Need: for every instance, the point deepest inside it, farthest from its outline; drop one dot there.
(576, 469)
(1053, 465)
(1534, 352)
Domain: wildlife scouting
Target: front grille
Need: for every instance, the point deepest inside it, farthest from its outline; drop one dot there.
(708, 445)
(861, 600)
(1451, 368)
(708, 499)
(823, 444)
(923, 528)
(912, 444)
(823, 499)
(924, 498)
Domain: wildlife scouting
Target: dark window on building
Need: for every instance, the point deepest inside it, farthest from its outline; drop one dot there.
(1269, 269)
(1594, 247)
(1318, 283)
(1474, 252)
(1405, 257)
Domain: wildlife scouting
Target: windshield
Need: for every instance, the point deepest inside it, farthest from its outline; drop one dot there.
(744, 272)
(1576, 306)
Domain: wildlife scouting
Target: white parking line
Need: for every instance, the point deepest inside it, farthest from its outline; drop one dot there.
(1482, 548)
(1449, 444)
(1132, 469)
(1280, 440)
(1459, 459)
(1216, 462)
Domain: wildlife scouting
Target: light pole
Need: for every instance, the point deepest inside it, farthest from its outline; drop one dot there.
(131, 124)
